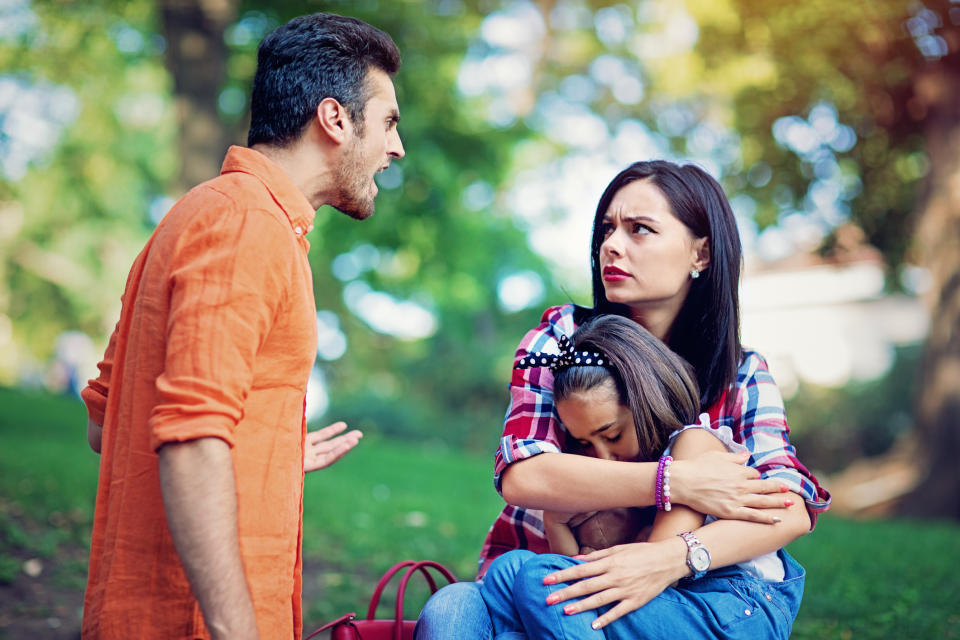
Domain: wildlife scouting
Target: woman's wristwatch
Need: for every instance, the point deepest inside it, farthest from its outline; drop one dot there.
(698, 558)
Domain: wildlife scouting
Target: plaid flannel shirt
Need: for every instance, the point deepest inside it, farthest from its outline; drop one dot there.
(756, 417)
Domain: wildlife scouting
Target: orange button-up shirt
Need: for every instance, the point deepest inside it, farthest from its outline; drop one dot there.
(217, 336)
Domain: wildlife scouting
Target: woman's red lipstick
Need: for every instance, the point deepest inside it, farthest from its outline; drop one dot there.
(614, 274)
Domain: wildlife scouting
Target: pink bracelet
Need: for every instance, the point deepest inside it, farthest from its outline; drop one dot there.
(662, 489)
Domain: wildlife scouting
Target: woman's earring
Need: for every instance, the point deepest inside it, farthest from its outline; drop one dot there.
(694, 274)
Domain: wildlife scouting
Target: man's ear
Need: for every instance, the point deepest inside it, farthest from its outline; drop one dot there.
(702, 248)
(333, 120)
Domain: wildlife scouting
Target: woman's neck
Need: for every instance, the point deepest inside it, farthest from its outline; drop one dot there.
(656, 321)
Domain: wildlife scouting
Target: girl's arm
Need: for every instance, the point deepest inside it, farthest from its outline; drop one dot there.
(734, 544)
(560, 536)
(680, 518)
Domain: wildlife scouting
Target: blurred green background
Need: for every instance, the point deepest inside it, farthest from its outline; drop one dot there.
(832, 126)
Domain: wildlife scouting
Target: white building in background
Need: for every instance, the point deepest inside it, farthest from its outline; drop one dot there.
(827, 320)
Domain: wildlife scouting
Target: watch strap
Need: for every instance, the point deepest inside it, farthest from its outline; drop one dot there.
(692, 542)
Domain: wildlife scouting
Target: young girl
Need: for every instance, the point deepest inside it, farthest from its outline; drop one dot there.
(623, 395)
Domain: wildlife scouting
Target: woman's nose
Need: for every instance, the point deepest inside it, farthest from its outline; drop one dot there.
(611, 246)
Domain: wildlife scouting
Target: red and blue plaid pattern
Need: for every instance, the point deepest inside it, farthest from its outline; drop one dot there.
(755, 416)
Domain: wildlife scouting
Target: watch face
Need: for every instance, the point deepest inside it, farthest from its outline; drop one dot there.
(699, 559)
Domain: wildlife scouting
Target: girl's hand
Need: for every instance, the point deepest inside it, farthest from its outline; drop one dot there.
(557, 527)
(629, 574)
(322, 449)
(719, 484)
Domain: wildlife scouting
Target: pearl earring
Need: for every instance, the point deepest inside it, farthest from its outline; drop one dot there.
(694, 274)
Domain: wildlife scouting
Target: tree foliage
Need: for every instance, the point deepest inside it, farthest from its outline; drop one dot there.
(830, 111)
(85, 208)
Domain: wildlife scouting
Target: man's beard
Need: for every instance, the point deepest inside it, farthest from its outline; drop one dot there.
(353, 186)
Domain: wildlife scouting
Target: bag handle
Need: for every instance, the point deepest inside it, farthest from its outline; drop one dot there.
(350, 617)
(422, 567)
(412, 567)
(375, 599)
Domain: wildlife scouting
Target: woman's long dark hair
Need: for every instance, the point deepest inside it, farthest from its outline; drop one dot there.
(658, 386)
(706, 332)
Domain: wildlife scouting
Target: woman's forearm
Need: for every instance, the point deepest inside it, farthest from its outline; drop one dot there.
(714, 483)
(572, 483)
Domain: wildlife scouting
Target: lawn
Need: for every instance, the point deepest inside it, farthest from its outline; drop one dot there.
(392, 500)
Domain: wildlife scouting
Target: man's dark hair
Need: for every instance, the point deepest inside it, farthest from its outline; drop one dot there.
(706, 332)
(658, 386)
(308, 59)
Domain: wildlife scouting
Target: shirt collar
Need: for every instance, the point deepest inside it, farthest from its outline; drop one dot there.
(299, 211)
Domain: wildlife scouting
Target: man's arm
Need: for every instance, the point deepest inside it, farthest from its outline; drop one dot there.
(200, 500)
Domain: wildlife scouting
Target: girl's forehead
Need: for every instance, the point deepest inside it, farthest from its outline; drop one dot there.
(605, 392)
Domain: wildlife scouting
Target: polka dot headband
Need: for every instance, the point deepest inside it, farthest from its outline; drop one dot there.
(566, 358)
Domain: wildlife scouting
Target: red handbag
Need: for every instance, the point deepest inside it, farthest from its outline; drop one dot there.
(349, 628)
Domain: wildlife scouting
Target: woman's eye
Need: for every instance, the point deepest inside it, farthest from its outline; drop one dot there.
(614, 438)
(639, 227)
(606, 229)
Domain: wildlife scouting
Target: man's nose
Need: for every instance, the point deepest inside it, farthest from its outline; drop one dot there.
(395, 146)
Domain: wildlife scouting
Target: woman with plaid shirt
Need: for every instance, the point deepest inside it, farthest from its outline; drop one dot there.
(665, 252)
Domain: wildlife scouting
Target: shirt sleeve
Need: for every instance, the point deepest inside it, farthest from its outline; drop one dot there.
(530, 426)
(760, 423)
(95, 393)
(228, 280)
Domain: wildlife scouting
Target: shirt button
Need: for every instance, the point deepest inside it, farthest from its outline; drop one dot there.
(310, 228)
(747, 611)
(769, 598)
(298, 230)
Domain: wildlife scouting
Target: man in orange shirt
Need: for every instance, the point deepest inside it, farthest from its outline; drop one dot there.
(198, 412)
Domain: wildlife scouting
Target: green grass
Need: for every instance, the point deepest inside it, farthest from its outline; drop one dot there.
(389, 501)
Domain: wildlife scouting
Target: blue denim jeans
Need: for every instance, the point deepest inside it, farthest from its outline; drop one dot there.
(725, 603)
(455, 611)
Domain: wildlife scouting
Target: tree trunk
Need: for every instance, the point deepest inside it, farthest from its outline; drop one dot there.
(197, 59)
(937, 412)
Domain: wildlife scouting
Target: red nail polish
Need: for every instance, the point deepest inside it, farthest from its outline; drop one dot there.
(788, 503)
(549, 580)
(552, 598)
(569, 609)
(783, 488)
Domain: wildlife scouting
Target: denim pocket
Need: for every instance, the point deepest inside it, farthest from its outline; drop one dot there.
(740, 606)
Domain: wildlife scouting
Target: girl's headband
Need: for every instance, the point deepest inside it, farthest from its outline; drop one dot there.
(566, 358)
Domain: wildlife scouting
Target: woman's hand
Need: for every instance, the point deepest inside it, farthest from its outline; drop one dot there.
(322, 449)
(719, 484)
(632, 574)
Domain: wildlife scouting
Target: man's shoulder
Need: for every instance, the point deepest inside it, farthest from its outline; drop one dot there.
(220, 199)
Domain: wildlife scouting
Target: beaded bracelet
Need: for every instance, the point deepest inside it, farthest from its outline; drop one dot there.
(663, 483)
